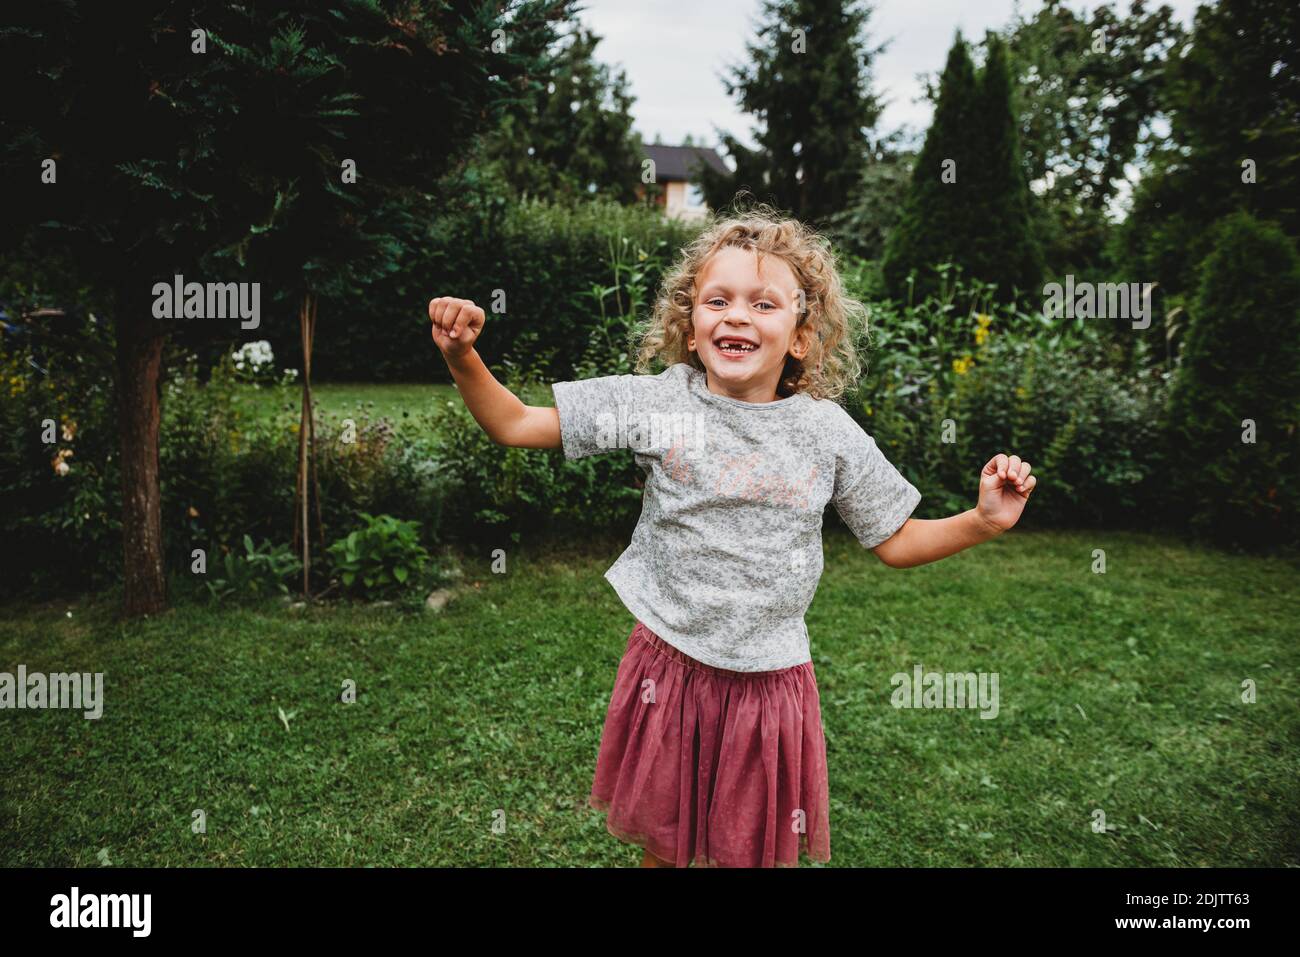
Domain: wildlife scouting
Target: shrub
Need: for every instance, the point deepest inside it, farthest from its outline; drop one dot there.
(960, 377)
(257, 572)
(490, 486)
(381, 559)
(544, 258)
(59, 521)
(1240, 364)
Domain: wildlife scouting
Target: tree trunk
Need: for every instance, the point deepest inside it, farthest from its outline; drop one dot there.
(307, 484)
(139, 362)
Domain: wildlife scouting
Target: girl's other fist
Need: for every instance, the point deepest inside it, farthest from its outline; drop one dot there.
(1005, 485)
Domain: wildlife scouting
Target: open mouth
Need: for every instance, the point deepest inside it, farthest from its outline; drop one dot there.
(735, 346)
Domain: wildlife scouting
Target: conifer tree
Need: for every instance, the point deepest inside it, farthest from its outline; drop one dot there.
(1004, 249)
(1235, 398)
(808, 81)
(941, 197)
(571, 136)
(969, 202)
(1233, 100)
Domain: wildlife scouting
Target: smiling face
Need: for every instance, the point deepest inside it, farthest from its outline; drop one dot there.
(745, 323)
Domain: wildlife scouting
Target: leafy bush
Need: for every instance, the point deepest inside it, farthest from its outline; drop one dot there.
(1235, 402)
(259, 571)
(960, 377)
(544, 258)
(228, 473)
(58, 455)
(380, 559)
(492, 487)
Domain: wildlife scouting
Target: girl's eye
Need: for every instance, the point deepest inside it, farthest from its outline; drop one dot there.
(716, 299)
(767, 304)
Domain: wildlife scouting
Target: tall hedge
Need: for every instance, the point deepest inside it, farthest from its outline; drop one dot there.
(544, 258)
(1235, 400)
(980, 220)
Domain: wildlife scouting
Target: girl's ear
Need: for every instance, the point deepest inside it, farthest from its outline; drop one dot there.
(802, 341)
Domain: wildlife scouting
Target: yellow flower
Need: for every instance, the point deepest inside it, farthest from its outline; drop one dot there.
(1020, 392)
(983, 319)
(960, 366)
(981, 334)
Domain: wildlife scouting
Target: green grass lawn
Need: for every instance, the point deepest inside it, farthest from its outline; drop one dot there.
(1118, 691)
(401, 403)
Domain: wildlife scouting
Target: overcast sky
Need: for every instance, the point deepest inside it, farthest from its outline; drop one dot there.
(673, 52)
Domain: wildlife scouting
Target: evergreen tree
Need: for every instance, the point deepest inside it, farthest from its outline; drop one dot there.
(1005, 249)
(808, 81)
(969, 202)
(936, 213)
(1234, 106)
(876, 207)
(219, 156)
(1085, 92)
(1235, 399)
(572, 136)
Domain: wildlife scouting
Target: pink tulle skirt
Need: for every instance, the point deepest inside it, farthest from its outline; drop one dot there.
(716, 768)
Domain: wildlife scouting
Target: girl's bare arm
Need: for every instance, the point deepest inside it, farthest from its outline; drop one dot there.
(1005, 485)
(507, 421)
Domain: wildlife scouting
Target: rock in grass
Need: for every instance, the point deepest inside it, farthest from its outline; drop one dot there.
(438, 599)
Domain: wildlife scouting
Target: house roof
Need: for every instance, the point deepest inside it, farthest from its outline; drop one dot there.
(674, 163)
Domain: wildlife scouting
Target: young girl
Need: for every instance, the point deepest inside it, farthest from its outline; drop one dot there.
(712, 752)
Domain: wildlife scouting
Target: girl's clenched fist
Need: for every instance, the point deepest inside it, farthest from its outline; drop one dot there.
(456, 325)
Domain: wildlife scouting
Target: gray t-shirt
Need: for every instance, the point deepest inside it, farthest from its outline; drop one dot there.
(726, 557)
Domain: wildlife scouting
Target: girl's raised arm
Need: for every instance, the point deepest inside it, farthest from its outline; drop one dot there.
(507, 421)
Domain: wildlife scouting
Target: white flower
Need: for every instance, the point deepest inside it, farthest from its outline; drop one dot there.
(257, 354)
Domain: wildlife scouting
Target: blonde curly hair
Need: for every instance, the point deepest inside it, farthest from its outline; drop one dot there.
(836, 320)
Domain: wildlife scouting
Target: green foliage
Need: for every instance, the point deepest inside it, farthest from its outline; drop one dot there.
(621, 306)
(1241, 361)
(510, 491)
(1233, 97)
(560, 266)
(382, 558)
(983, 219)
(960, 376)
(571, 136)
(545, 257)
(259, 571)
(811, 106)
(60, 518)
(513, 489)
(230, 472)
(860, 229)
(1087, 87)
